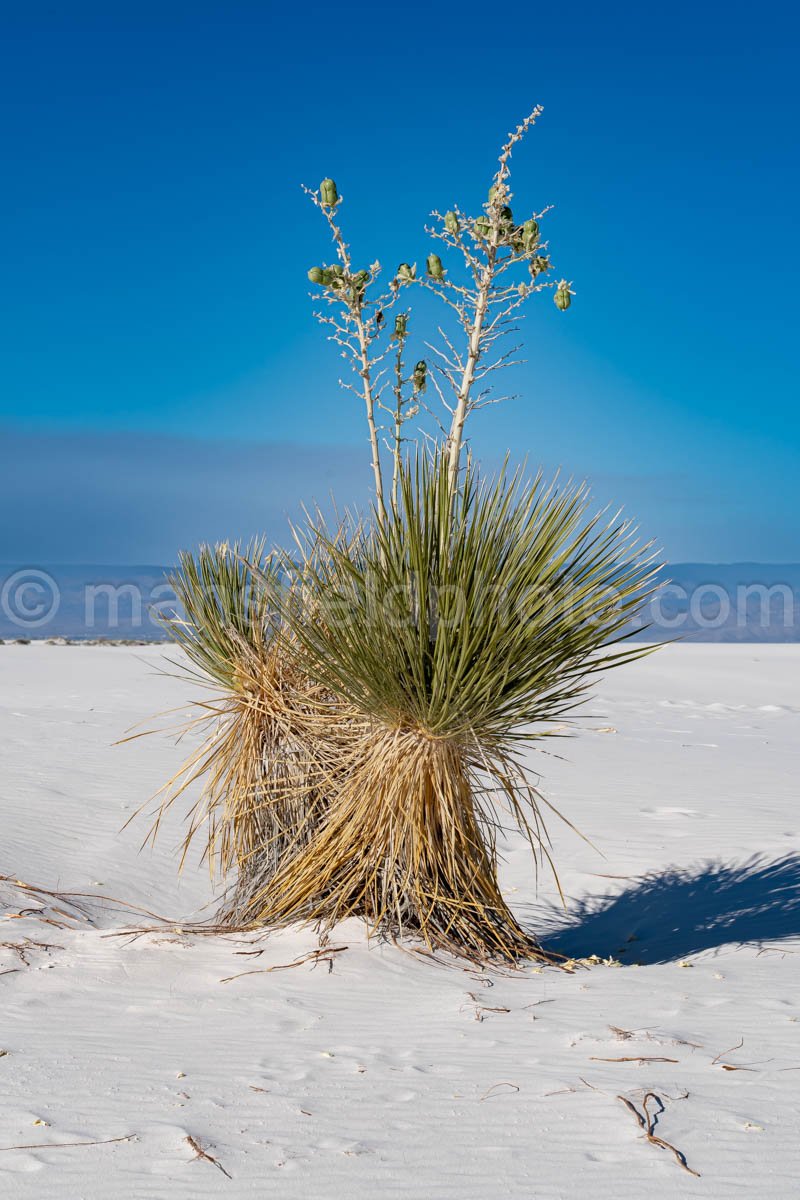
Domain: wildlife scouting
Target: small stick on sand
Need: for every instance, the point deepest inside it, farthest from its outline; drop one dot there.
(639, 1058)
(312, 956)
(647, 1124)
(129, 1137)
(487, 1095)
(200, 1153)
(730, 1049)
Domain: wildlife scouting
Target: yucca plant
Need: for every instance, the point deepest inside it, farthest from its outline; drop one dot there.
(368, 736)
(449, 636)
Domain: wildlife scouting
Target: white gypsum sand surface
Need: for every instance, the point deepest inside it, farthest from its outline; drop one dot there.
(376, 1073)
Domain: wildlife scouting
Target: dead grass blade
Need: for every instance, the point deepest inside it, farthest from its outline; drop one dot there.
(730, 1050)
(639, 1058)
(491, 1092)
(320, 955)
(129, 1137)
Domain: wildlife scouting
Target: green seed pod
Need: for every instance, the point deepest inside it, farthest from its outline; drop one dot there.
(492, 193)
(328, 193)
(405, 272)
(361, 279)
(482, 227)
(420, 377)
(451, 222)
(434, 267)
(506, 218)
(327, 277)
(316, 275)
(530, 233)
(400, 326)
(563, 296)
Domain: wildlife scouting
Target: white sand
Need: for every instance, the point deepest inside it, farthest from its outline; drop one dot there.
(375, 1079)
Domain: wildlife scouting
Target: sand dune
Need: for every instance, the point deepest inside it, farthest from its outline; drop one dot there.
(367, 1071)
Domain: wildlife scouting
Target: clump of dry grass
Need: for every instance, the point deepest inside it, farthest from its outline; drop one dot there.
(262, 786)
(407, 843)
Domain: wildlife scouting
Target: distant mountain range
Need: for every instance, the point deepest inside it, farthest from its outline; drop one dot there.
(698, 602)
(726, 602)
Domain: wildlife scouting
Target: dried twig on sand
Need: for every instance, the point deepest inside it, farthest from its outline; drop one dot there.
(23, 948)
(313, 956)
(491, 1092)
(129, 1137)
(200, 1153)
(730, 1049)
(65, 913)
(647, 1124)
(638, 1058)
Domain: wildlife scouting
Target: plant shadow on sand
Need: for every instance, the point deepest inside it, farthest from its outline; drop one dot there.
(667, 915)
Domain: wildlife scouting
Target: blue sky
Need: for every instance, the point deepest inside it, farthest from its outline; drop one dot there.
(161, 377)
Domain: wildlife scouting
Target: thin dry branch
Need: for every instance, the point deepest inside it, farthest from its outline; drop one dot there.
(129, 1137)
(312, 956)
(203, 1155)
(647, 1124)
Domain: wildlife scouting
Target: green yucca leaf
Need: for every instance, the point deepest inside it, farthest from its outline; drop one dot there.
(474, 618)
(225, 602)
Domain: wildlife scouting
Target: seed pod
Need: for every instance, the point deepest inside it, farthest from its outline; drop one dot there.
(334, 275)
(492, 193)
(327, 277)
(328, 193)
(530, 233)
(400, 326)
(316, 275)
(506, 219)
(482, 227)
(563, 296)
(420, 377)
(434, 267)
(405, 272)
(361, 279)
(451, 222)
